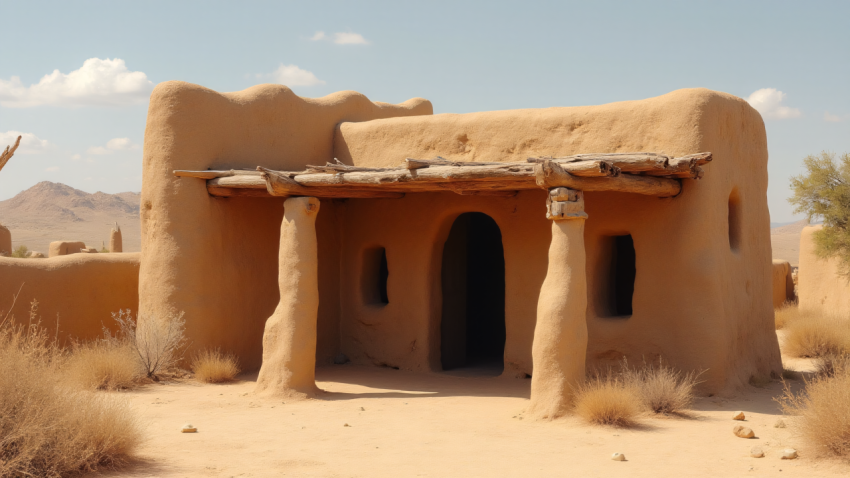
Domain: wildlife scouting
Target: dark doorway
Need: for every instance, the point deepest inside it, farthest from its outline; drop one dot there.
(472, 330)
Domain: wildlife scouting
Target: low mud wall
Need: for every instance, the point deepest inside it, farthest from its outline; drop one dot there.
(783, 283)
(819, 286)
(82, 290)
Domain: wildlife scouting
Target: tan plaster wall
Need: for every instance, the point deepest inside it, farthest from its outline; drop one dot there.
(783, 283)
(819, 287)
(698, 303)
(216, 259)
(83, 289)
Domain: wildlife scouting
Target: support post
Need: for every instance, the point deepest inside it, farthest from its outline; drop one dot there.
(289, 339)
(560, 335)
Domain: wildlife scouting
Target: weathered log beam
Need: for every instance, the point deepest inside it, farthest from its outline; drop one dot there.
(550, 174)
(650, 164)
(7, 153)
(212, 174)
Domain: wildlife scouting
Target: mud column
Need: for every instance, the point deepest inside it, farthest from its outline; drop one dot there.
(560, 336)
(289, 340)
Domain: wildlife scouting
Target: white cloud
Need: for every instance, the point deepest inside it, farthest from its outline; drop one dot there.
(341, 38)
(291, 75)
(349, 39)
(76, 157)
(113, 145)
(52, 169)
(827, 116)
(768, 102)
(97, 83)
(30, 143)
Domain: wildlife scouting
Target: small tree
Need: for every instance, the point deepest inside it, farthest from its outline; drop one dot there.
(823, 192)
(20, 251)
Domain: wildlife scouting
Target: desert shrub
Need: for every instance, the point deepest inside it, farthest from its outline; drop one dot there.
(212, 366)
(823, 408)
(817, 335)
(47, 429)
(662, 389)
(158, 344)
(20, 251)
(607, 400)
(106, 364)
(788, 313)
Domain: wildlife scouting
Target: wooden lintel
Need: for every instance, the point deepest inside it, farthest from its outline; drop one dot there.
(550, 174)
(641, 173)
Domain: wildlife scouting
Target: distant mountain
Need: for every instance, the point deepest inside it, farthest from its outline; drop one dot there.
(51, 211)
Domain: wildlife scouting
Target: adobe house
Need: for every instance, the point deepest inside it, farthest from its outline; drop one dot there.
(527, 242)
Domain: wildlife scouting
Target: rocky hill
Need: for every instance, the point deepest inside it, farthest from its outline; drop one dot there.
(50, 212)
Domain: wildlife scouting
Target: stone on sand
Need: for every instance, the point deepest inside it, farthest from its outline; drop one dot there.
(789, 454)
(743, 432)
(618, 457)
(756, 452)
(739, 416)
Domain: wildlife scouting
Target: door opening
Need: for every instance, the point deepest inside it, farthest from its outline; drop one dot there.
(472, 329)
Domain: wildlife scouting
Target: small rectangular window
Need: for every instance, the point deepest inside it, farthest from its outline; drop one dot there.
(617, 273)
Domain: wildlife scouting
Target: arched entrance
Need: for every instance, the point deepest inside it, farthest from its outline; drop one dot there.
(472, 330)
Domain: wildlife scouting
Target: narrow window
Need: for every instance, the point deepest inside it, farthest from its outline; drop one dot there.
(734, 220)
(374, 278)
(618, 272)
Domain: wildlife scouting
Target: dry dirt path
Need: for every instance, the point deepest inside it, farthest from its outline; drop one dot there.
(404, 424)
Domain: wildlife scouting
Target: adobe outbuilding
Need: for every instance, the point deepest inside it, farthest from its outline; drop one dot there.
(533, 242)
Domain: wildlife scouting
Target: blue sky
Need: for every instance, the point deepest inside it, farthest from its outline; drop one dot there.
(84, 125)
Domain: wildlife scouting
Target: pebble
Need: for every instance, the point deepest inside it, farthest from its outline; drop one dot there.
(346, 425)
(739, 416)
(743, 432)
(789, 454)
(756, 452)
(779, 423)
(188, 428)
(618, 457)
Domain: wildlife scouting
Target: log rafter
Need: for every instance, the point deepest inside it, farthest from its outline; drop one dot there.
(642, 173)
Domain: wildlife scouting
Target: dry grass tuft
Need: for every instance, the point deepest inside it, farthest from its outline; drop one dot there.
(212, 366)
(608, 400)
(104, 365)
(824, 410)
(47, 429)
(662, 389)
(816, 335)
(786, 314)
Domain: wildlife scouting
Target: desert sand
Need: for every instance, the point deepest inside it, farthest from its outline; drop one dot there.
(412, 424)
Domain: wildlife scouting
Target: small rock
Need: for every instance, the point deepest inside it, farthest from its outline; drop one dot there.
(756, 452)
(188, 428)
(743, 432)
(789, 454)
(340, 359)
(618, 457)
(362, 409)
(346, 425)
(779, 423)
(739, 416)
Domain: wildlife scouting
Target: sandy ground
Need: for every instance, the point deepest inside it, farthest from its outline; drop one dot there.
(405, 424)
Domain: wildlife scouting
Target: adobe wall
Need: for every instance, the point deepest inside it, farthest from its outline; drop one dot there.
(83, 289)
(698, 302)
(783, 283)
(215, 259)
(819, 287)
